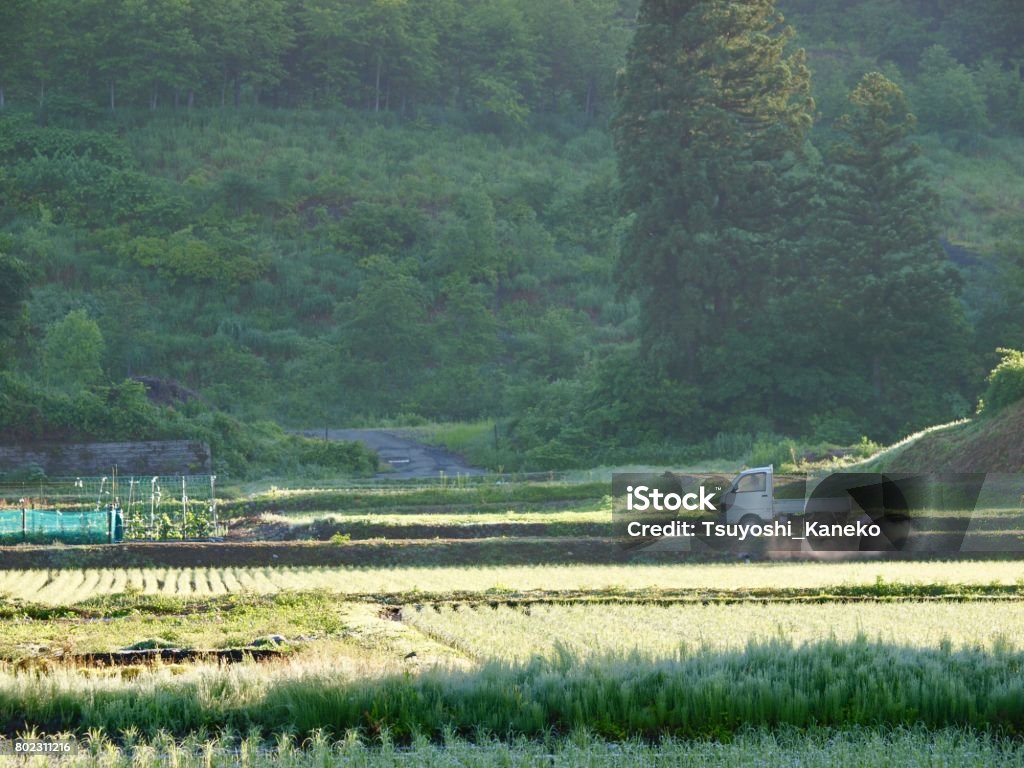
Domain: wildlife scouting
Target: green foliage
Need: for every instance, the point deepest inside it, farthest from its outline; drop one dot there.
(774, 452)
(1003, 91)
(14, 289)
(770, 685)
(499, 59)
(873, 748)
(123, 412)
(73, 352)
(219, 260)
(711, 107)
(365, 292)
(166, 528)
(374, 499)
(890, 293)
(439, 238)
(946, 97)
(1006, 381)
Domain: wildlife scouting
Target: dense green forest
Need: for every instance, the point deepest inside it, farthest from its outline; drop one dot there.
(345, 211)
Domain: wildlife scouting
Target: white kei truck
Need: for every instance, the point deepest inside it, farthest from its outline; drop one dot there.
(750, 499)
(831, 502)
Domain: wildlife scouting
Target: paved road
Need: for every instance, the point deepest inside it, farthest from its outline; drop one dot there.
(408, 458)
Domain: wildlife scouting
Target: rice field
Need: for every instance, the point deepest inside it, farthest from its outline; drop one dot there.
(69, 586)
(871, 662)
(829, 684)
(517, 634)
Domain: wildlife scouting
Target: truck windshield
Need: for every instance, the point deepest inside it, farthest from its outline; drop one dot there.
(750, 483)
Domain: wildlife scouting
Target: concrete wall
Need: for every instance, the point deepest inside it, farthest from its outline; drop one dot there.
(163, 457)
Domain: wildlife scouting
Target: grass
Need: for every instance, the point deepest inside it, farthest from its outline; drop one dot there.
(112, 623)
(484, 627)
(978, 189)
(854, 748)
(877, 462)
(584, 511)
(518, 633)
(479, 442)
(586, 519)
(300, 500)
(828, 684)
(987, 443)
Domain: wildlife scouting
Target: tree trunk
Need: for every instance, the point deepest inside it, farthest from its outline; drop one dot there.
(2, 102)
(113, 101)
(191, 99)
(238, 91)
(224, 87)
(42, 93)
(590, 98)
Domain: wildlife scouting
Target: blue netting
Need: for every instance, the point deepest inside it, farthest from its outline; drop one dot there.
(75, 509)
(45, 525)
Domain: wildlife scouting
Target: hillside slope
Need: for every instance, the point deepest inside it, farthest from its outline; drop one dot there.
(992, 443)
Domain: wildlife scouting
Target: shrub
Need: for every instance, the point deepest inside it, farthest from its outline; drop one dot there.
(772, 450)
(1005, 382)
(947, 97)
(73, 352)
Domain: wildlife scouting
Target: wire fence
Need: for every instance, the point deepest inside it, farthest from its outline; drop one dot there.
(109, 509)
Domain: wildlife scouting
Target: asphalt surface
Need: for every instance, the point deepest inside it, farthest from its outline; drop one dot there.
(409, 459)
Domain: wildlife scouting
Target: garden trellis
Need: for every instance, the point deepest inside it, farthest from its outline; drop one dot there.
(93, 510)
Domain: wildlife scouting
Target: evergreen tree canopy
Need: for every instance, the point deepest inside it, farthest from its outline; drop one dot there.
(897, 323)
(711, 104)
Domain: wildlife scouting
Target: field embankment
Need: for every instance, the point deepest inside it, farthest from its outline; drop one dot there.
(988, 443)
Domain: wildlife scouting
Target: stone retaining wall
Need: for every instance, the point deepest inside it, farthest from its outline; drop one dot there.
(158, 457)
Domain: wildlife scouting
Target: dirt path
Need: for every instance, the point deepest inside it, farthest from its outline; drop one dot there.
(408, 458)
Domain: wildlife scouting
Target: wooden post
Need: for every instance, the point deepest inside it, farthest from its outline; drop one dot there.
(213, 503)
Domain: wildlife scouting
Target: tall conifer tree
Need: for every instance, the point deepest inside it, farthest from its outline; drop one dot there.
(897, 324)
(710, 104)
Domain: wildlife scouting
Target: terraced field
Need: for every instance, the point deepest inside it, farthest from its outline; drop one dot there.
(66, 587)
(517, 634)
(522, 620)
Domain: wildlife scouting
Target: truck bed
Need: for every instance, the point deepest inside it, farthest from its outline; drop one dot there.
(797, 507)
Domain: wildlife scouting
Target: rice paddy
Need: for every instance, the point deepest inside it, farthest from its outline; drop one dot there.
(65, 587)
(416, 654)
(517, 634)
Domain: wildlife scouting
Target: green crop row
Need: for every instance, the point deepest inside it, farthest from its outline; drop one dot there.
(828, 684)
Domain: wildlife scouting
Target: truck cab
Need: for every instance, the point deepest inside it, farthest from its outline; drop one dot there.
(751, 498)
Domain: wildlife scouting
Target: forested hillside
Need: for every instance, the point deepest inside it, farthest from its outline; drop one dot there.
(343, 211)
